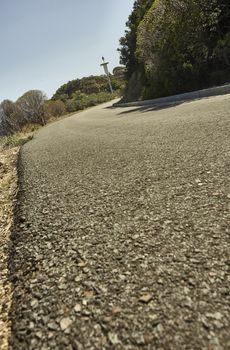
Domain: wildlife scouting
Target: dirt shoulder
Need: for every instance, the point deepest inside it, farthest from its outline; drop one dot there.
(8, 191)
(9, 150)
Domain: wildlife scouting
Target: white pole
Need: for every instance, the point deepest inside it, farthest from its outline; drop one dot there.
(106, 70)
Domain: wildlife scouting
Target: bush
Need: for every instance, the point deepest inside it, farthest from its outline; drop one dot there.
(11, 116)
(31, 105)
(70, 106)
(54, 108)
(80, 101)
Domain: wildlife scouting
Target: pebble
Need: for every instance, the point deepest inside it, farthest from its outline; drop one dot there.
(52, 326)
(113, 338)
(77, 308)
(65, 323)
(216, 315)
(146, 298)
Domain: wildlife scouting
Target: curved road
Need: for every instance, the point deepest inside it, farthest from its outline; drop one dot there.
(122, 237)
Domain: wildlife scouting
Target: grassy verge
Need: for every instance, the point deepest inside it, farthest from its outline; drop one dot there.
(15, 140)
(19, 138)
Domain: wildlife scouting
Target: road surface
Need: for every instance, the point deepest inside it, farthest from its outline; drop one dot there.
(122, 237)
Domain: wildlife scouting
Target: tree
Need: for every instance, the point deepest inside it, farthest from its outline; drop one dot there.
(12, 115)
(173, 46)
(221, 48)
(135, 73)
(4, 125)
(31, 104)
(128, 42)
(119, 72)
(174, 41)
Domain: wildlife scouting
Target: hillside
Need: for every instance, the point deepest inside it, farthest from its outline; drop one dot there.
(88, 85)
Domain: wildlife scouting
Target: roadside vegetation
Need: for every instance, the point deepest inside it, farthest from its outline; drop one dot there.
(8, 189)
(174, 46)
(33, 109)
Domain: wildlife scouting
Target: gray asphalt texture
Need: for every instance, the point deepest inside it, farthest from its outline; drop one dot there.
(122, 236)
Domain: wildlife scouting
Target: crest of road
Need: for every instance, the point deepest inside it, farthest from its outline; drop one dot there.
(122, 230)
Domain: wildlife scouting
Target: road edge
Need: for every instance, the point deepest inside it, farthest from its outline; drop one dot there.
(194, 95)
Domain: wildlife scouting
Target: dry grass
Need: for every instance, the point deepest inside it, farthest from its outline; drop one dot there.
(8, 190)
(15, 140)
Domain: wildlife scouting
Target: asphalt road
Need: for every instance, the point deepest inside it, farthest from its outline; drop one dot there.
(122, 237)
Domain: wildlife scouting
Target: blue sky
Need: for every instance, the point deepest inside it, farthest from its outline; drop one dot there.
(45, 43)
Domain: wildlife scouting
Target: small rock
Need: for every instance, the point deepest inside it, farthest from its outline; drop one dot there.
(186, 290)
(116, 310)
(65, 323)
(34, 303)
(78, 279)
(191, 281)
(38, 335)
(31, 325)
(52, 326)
(205, 291)
(216, 315)
(197, 181)
(218, 324)
(86, 313)
(77, 308)
(154, 319)
(62, 286)
(107, 319)
(205, 323)
(49, 245)
(160, 328)
(188, 302)
(146, 298)
(122, 277)
(78, 345)
(113, 338)
(88, 294)
(139, 339)
(22, 218)
(50, 335)
(103, 289)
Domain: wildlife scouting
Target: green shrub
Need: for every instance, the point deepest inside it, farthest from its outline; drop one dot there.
(80, 101)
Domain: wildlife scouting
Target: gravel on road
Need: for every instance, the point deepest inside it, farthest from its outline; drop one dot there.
(122, 236)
